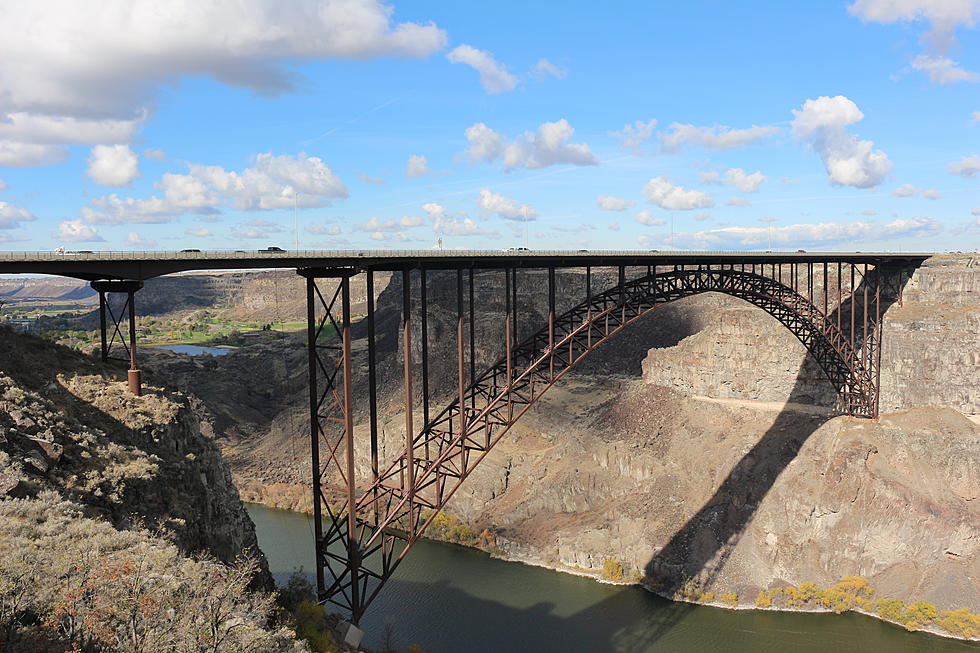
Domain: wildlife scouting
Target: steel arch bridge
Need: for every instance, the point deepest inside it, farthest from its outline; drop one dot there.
(365, 527)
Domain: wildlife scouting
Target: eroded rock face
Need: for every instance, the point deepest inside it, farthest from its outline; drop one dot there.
(130, 460)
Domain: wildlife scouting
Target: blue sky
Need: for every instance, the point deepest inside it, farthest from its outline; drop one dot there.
(357, 124)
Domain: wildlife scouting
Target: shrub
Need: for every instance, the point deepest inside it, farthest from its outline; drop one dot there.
(891, 609)
(612, 570)
(763, 600)
(730, 598)
(920, 613)
(960, 623)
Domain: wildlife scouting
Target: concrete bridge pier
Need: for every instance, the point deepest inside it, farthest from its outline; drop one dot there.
(129, 289)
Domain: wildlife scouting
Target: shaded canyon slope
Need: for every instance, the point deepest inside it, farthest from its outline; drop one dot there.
(698, 447)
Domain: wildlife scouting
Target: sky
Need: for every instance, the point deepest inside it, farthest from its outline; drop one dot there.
(358, 124)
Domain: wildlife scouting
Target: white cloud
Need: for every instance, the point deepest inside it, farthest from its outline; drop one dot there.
(613, 226)
(388, 236)
(485, 143)
(976, 116)
(942, 15)
(968, 166)
(799, 235)
(156, 155)
(700, 217)
(609, 203)
(942, 70)
(577, 229)
(505, 207)
(735, 200)
(3, 185)
(453, 225)
(11, 216)
(712, 138)
(869, 212)
(666, 195)
(493, 76)
(646, 217)
(545, 68)
(711, 177)
(908, 190)
(112, 209)
(201, 232)
(367, 179)
(76, 231)
(274, 182)
(113, 165)
(532, 150)
(747, 183)
(323, 229)
(767, 219)
(133, 239)
(633, 136)
(87, 74)
(849, 161)
(418, 166)
(388, 226)
(975, 211)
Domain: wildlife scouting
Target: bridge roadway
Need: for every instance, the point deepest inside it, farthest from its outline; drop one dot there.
(140, 266)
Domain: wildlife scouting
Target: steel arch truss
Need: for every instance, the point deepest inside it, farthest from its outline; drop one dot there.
(365, 528)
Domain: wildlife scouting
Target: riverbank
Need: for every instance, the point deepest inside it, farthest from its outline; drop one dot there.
(444, 586)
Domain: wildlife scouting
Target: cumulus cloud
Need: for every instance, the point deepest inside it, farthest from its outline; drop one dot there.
(801, 235)
(647, 218)
(666, 195)
(545, 68)
(76, 231)
(975, 211)
(273, 182)
(156, 155)
(505, 207)
(610, 203)
(613, 226)
(747, 183)
(87, 74)
(735, 200)
(976, 116)
(3, 185)
(113, 165)
(968, 166)
(453, 225)
(943, 16)
(388, 226)
(133, 239)
(202, 232)
(631, 137)
(532, 150)
(701, 216)
(849, 161)
(318, 229)
(942, 70)
(418, 166)
(712, 138)
(711, 177)
(909, 190)
(493, 76)
(11, 216)
(377, 181)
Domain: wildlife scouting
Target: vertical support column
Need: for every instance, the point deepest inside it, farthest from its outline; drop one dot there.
(826, 289)
(353, 550)
(878, 329)
(472, 339)
(551, 323)
(460, 357)
(409, 488)
(588, 301)
(102, 329)
(622, 294)
(372, 381)
(508, 345)
(311, 336)
(423, 292)
(134, 376)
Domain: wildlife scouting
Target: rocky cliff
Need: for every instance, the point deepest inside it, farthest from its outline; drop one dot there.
(68, 425)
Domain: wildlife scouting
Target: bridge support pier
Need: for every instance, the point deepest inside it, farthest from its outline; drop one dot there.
(129, 289)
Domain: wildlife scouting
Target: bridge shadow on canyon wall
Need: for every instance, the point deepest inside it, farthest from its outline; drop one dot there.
(699, 550)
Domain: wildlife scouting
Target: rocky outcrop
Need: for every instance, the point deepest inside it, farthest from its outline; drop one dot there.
(68, 425)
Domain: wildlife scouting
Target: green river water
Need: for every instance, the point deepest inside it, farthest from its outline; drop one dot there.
(449, 599)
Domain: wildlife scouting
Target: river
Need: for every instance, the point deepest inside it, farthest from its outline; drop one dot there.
(449, 599)
(196, 350)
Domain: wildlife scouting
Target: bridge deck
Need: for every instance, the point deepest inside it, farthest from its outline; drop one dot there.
(146, 265)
